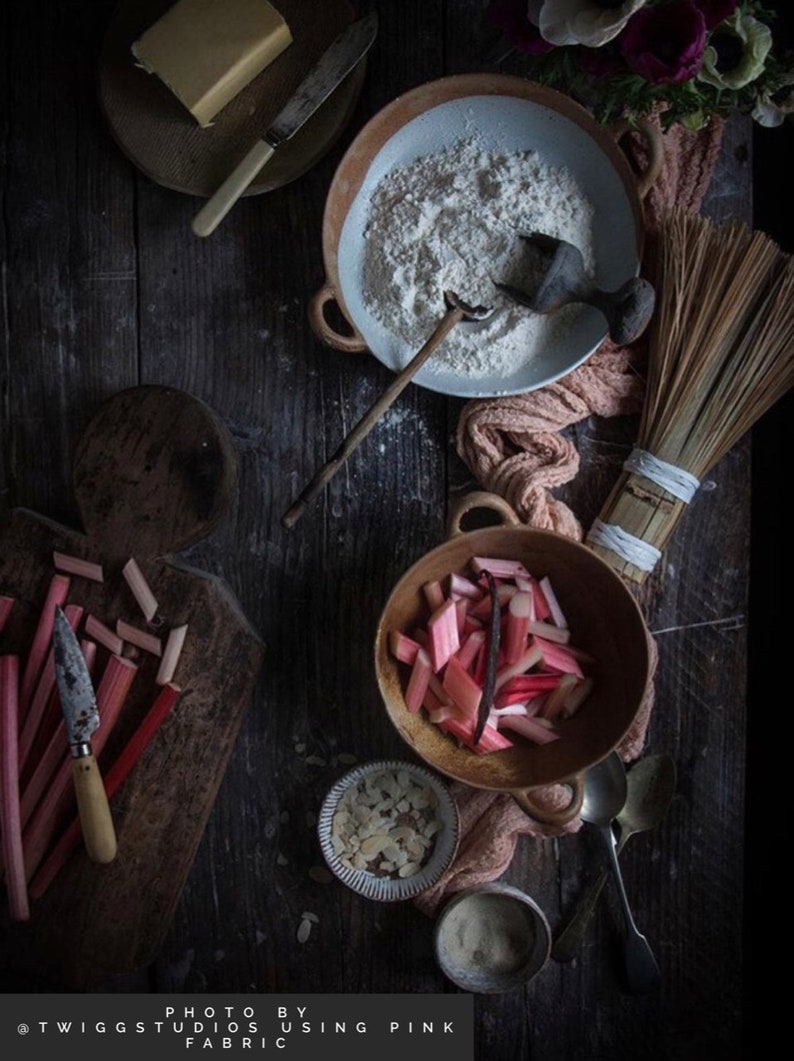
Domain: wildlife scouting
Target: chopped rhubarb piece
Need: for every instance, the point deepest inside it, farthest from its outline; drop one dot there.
(556, 657)
(518, 695)
(555, 702)
(500, 568)
(88, 648)
(96, 629)
(461, 608)
(524, 584)
(44, 691)
(403, 648)
(431, 702)
(114, 778)
(554, 605)
(173, 650)
(418, 681)
(443, 713)
(471, 646)
(148, 642)
(519, 708)
(459, 685)
(442, 629)
(576, 697)
(10, 821)
(56, 597)
(140, 589)
(437, 689)
(73, 565)
(528, 659)
(531, 728)
(482, 609)
(535, 682)
(434, 595)
(6, 604)
(491, 739)
(542, 609)
(519, 611)
(471, 624)
(464, 587)
(550, 633)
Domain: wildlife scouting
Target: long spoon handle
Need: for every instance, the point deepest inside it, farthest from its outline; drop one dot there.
(642, 972)
(370, 418)
(566, 945)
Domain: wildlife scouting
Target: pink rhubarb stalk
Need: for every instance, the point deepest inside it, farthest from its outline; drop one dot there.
(549, 632)
(442, 629)
(402, 647)
(500, 568)
(96, 629)
(531, 728)
(471, 646)
(528, 659)
(139, 587)
(519, 614)
(56, 597)
(10, 822)
(461, 687)
(418, 681)
(556, 657)
(115, 777)
(464, 587)
(171, 653)
(73, 565)
(434, 595)
(148, 642)
(550, 596)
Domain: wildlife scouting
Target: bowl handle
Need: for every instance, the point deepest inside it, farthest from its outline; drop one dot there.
(480, 499)
(349, 344)
(552, 817)
(655, 144)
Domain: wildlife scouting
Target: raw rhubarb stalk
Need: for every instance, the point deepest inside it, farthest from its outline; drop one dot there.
(556, 657)
(73, 565)
(531, 728)
(13, 854)
(549, 632)
(577, 696)
(554, 704)
(96, 629)
(402, 647)
(519, 611)
(550, 597)
(471, 624)
(461, 608)
(114, 778)
(431, 702)
(471, 646)
(499, 568)
(482, 609)
(442, 712)
(43, 694)
(56, 597)
(6, 604)
(58, 798)
(442, 629)
(464, 587)
(527, 660)
(460, 686)
(434, 595)
(542, 609)
(437, 689)
(140, 589)
(491, 740)
(171, 653)
(418, 681)
(148, 642)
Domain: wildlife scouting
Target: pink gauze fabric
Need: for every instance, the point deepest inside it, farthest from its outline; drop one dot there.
(514, 448)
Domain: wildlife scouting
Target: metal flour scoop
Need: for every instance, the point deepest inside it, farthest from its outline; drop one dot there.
(627, 310)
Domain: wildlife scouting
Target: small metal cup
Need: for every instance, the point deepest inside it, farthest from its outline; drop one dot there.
(507, 959)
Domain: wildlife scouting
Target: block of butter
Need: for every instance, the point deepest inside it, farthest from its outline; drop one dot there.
(206, 51)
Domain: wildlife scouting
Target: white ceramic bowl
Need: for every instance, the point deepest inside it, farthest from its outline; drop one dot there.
(392, 889)
(508, 113)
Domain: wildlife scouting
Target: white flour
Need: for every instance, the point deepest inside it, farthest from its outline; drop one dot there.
(451, 221)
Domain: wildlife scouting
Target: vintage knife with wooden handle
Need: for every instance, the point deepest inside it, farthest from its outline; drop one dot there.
(79, 706)
(350, 46)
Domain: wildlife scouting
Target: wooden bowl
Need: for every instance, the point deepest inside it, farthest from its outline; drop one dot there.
(605, 621)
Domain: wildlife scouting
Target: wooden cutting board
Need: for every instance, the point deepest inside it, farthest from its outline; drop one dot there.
(154, 472)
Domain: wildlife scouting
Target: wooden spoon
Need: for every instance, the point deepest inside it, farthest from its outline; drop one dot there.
(627, 310)
(457, 311)
(651, 784)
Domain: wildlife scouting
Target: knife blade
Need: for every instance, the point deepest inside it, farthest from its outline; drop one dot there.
(81, 716)
(335, 64)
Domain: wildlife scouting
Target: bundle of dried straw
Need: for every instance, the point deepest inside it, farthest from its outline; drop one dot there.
(721, 353)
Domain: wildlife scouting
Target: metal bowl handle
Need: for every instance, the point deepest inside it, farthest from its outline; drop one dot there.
(348, 344)
(480, 499)
(552, 817)
(655, 144)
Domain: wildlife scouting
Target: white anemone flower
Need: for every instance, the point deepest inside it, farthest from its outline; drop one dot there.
(588, 22)
(772, 109)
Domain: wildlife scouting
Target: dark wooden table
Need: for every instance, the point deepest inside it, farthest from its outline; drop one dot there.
(105, 287)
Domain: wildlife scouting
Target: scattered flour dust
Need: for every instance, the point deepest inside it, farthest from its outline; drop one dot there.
(451, 220)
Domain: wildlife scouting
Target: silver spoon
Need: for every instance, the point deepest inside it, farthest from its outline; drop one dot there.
(651, 785)
(605, 790)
